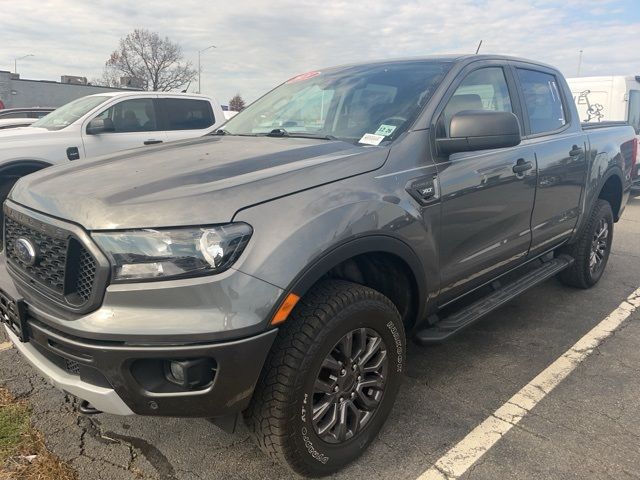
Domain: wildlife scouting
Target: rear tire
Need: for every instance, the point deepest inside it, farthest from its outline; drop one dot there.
(591, 250)
(340, 354)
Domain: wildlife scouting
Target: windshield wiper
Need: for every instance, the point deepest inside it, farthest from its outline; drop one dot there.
(278, 132)
(320, 136)
(281, 132)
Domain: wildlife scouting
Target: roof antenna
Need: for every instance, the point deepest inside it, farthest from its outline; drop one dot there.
(479, 45)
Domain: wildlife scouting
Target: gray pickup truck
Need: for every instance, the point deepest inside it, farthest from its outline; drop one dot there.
(272, 271)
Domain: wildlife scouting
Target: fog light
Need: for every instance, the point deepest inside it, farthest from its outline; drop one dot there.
(190, 374)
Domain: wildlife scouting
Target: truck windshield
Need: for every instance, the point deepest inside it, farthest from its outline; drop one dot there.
(345, 103)
(69, 113)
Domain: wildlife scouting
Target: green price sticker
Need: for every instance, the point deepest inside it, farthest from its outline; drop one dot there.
(385, 130)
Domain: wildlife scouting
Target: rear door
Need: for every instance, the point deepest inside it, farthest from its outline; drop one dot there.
(186, 117)
(135, 122)
(560, 149)
(486, 207)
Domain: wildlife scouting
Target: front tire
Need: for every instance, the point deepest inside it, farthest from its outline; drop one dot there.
(331, 378)
(591, 250)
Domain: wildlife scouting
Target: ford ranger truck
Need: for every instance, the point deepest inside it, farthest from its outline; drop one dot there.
(273, 271)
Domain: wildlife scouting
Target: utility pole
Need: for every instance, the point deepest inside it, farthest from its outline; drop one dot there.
(199, 65)
(579, 63)
(15, 61)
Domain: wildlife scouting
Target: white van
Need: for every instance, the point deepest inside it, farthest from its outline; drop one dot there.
(611, 98)
(101, 124)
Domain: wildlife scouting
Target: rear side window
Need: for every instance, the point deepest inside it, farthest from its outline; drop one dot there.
(543, 102)
(634, 110)
(187, 114)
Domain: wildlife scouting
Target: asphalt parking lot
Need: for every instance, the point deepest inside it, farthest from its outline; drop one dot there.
(587, 427)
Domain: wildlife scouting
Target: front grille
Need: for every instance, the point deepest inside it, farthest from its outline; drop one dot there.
(52, 252)
(64, 269)
(86, 275)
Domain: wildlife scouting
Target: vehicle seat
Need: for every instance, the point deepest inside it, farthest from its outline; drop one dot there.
(130, 122)
(460, 103)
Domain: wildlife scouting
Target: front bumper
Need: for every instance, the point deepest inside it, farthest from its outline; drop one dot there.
(114, 357)
(125, 380)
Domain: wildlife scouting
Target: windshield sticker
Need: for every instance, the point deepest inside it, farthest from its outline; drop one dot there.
(371, 139)
(304, 76)
(385, 130)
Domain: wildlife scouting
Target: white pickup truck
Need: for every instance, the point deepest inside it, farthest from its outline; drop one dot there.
(101, 124)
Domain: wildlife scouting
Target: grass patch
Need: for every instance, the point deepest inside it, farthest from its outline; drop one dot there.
(23, 454)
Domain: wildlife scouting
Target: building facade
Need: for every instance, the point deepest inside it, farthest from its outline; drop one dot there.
(17, 92)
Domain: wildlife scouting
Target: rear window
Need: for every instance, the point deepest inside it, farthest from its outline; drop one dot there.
(187, 114)
(542, 98)
(634, 110)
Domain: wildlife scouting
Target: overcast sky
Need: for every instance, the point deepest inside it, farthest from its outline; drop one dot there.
(264, 42)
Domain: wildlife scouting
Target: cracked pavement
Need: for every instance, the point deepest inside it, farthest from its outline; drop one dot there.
(587, 427)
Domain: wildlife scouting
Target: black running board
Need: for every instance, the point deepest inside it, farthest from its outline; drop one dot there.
(461, 319)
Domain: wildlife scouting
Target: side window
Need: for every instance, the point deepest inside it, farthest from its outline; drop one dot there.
(634, 110)
(187, 114)
(483, 89)
(542, 100)
(137, 115)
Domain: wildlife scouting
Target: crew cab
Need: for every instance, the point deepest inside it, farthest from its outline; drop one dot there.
(272, 271)
(101, 124)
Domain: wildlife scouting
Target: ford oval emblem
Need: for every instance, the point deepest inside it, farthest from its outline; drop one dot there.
(25, 250)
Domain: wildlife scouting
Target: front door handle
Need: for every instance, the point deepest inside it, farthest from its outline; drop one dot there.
(152, 142)
(521, 166)
(575, 151)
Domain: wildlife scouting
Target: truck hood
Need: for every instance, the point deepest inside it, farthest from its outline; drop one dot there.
(25, 135)
(191, 182)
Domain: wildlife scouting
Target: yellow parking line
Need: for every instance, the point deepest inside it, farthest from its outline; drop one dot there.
(5, 346)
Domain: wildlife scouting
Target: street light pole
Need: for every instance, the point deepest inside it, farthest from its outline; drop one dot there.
(15, 61)
(199, 67)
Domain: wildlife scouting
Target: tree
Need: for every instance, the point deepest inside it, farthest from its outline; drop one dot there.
(153, 62)
(236, 104)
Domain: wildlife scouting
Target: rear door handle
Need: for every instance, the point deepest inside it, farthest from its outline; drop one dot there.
(521, 166)
(152, 142)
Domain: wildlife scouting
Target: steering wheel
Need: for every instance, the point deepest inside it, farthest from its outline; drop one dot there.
(393, 120)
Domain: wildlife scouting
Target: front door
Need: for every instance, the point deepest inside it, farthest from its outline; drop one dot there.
(135, 124)
(486, 206)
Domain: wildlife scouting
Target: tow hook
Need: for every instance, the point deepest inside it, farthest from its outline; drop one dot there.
(86, 408)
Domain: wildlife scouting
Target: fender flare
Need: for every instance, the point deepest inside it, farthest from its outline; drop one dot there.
(358, 246)
(17, 165)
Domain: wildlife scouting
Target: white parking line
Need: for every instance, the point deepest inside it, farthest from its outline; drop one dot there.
(470, 449)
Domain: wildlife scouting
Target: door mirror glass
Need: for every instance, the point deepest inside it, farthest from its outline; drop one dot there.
(471, 130)
(100, 125)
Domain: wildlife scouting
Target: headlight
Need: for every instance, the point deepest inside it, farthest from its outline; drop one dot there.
(183, 252)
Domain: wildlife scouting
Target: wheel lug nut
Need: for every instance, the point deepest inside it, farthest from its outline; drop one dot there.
(353, 367)
(335, 389)
(343, 372)
(359, 377)
(353, 394)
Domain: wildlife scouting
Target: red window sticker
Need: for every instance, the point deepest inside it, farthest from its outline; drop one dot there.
(304, 76)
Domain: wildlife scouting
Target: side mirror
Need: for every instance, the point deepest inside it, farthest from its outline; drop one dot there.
(471, 130)
(100, 125)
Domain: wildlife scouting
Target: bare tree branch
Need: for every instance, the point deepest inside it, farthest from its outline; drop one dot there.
(157, 63)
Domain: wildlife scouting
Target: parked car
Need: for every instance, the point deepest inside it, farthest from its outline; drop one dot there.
(609, 98)
(274, 270)
(16, 122)
(31, 112)
(100, 124)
